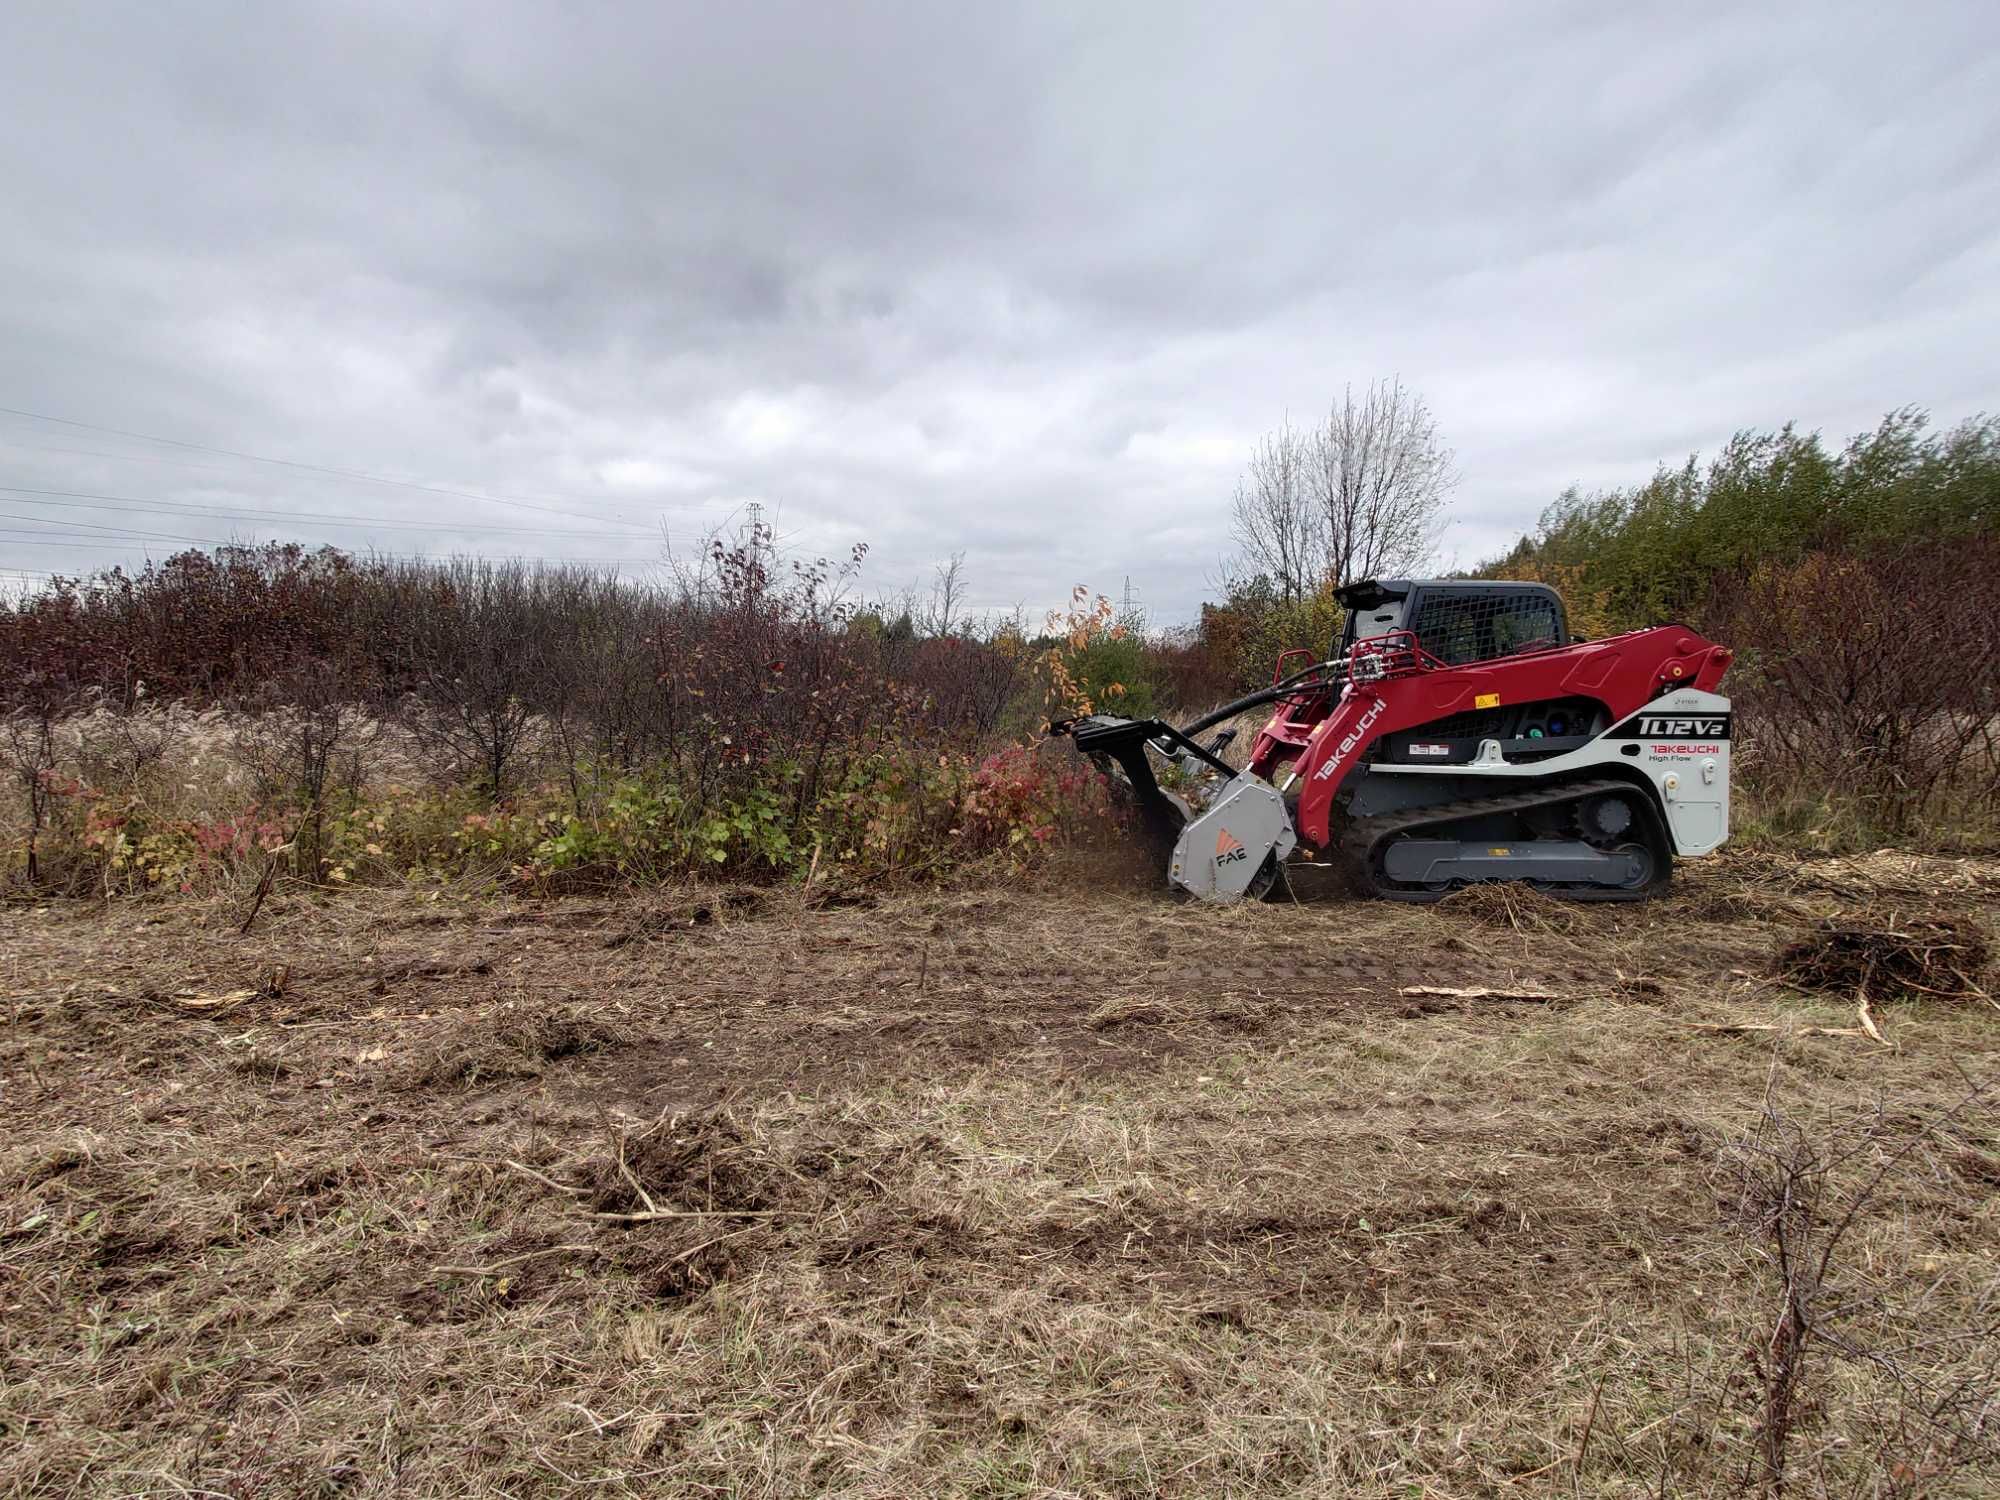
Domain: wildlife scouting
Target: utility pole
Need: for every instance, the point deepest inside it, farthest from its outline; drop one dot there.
(754, 525)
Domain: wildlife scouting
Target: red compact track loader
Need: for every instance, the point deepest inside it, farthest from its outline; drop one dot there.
(1457, 735)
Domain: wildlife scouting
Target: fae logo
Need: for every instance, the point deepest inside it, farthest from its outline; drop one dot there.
(1228, 849)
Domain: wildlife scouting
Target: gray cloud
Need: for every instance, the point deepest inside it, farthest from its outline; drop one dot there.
(1026, 281)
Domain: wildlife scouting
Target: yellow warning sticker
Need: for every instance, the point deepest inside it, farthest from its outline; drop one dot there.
(1486, 700)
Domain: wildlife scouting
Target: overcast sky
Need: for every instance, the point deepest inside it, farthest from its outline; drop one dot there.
(1021, 280)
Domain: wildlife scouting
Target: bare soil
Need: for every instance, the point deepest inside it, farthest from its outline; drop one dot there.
(982, 1191)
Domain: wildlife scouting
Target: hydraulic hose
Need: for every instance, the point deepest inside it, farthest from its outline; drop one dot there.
(1285, 689)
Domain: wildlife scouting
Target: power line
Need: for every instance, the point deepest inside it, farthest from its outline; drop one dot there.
(111, 544)
(185, 463)
(123, 531)
(129, 458)
(65, 532)
(66, 536)
(339, 473)
(101, 544)
(291, 463)
(163, 507)
(96, 501)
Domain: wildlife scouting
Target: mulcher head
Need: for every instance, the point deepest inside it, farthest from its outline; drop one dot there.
(1233, 846)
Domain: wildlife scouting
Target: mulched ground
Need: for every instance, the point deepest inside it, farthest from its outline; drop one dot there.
(980, 1190)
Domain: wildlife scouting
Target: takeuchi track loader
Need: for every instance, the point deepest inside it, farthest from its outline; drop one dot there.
(1457, 735)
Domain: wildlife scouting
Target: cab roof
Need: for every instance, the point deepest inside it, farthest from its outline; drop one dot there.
(1372, 593)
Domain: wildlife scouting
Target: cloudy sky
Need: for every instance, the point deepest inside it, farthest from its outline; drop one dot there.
(1025, 281)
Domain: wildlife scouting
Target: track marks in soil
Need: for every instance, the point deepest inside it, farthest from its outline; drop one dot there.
(1038, 1174)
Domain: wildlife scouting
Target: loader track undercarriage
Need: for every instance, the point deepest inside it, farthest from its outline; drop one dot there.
(1609, 845)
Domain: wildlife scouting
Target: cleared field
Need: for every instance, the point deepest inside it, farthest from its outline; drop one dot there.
(993, 1192)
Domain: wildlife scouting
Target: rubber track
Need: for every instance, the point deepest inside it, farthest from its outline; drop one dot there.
(1364, 839)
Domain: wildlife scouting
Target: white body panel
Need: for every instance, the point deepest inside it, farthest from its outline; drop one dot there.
(1679, 743)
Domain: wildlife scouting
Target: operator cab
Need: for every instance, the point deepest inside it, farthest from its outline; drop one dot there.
(1461, 621)
(1457, 620)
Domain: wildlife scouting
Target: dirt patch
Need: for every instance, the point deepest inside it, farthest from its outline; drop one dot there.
(686, 1167)
(548, 1032)
(1132, 1010)
(670, 919)
(514, 1040)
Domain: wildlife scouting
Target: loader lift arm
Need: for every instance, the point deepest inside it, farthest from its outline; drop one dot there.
(1126, 742)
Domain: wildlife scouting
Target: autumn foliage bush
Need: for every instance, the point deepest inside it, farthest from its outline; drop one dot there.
(1870, 682)
(384, 720)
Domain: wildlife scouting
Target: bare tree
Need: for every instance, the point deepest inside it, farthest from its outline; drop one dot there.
(1802, 1192)
(298, 726)
(948, 592)
(1379, 476)
(1276, 519)
(476, 635)
(28, 752)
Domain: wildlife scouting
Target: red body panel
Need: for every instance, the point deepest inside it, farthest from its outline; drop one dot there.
(1624, 673)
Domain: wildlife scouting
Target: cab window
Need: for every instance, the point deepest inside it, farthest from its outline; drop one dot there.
(1467, 625)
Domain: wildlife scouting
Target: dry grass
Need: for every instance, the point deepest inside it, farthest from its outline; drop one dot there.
(978, 1192)
(1882, 874)
(513, 1040)
(1508, 904)
(187, 763)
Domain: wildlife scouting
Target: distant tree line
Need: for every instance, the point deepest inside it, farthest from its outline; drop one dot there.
(1665, 549)
(469, 650)
(727, 684)
(1860, 586)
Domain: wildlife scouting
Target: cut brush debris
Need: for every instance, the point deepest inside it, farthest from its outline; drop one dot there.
(1929, 954)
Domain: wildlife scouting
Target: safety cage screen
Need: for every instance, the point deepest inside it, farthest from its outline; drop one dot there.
(1462, 626)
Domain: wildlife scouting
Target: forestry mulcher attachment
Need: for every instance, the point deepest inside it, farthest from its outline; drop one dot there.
(1458, 735)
